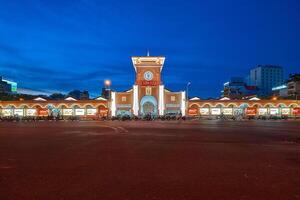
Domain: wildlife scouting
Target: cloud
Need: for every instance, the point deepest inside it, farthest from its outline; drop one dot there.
(37, 92)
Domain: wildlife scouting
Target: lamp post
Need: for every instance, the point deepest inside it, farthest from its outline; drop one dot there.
(106, 91)
(187, 97)
(187, 90)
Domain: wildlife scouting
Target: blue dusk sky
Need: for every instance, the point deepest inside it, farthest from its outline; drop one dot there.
(60, 45)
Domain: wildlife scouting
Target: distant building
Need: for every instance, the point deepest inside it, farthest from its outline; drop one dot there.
(236, 88)
(280, 91)
(293, 85)
(7, 86)
(247, 80)
(4, 86)
(290, 89)
(265, 77)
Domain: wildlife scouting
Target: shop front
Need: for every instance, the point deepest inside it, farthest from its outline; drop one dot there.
(172, 109)
(296, 112)
(251, 111)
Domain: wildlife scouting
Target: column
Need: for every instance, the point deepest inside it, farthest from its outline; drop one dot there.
(161, 100)
(135, 105)
(183, 103)
(113, 104)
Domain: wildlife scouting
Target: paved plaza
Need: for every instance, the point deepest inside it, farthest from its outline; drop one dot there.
(134, 160)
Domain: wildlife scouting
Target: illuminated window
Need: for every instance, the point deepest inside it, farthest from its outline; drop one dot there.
(123, 98)
(173, 98)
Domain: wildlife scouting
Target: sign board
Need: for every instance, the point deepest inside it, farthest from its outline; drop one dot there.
(204, 111)
(285, 111)
(123, 105)
(43, 112)
(251, 111)
(19, 112)
(68, 112)
(79, 112)
(193, 111)
(296, 111)
(262, 111)
(227, 111)
(215, 111)
(31, 112)
(274, 111)
(147, 83)
(6, 112)
(170, 105)
(91, 111)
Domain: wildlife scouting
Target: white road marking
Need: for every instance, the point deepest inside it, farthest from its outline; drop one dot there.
(123, 130)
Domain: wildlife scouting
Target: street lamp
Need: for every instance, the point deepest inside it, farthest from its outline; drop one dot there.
(187, 90)
(274, 98)
(107, 83)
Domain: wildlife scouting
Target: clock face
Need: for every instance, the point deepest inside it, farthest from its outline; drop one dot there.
(148, 75)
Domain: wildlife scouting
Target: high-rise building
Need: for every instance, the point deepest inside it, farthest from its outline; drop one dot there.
(4, 87)
(265, 77)
(7, 86)
(293, 85)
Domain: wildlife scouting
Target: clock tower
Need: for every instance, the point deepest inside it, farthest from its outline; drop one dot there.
(148, 94)
(148, 90)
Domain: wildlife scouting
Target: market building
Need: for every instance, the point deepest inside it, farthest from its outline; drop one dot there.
(148, 95)
(253, 107)
(66, 108)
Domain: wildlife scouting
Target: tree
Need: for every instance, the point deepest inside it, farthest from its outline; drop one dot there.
(77, 94)
(57, 96)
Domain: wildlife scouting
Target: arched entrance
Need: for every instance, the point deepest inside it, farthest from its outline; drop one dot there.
(102, 111)
(149, 105)
(193, 110)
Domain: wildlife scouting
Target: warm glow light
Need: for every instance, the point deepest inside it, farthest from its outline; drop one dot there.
(274, 98)
(107, 83)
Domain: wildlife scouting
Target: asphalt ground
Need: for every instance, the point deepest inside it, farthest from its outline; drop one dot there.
(134, 160)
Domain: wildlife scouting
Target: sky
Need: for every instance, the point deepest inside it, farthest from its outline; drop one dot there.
(60, 45)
